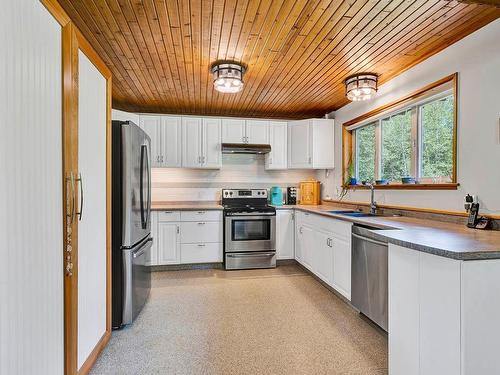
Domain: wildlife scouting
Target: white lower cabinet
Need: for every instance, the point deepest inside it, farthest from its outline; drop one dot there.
(186, 237)
(424, 313)
(322, 256)
(323, 245)
(168, 243)
(285, 234)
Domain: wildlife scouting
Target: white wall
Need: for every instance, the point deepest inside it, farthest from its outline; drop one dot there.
(31, 213)
(477, 60)
(92, 227)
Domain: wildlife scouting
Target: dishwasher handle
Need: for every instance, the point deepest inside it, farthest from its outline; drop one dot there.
(369, 240)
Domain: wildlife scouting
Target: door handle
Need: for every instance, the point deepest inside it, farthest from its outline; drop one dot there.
(80, 181)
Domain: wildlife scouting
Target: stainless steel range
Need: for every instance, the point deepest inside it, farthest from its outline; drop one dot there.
(249, 229)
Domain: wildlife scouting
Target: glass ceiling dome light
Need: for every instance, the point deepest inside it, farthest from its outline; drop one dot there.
(361, 86)
(228, 76)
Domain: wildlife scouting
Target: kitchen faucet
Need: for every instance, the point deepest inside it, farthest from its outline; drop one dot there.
(373, 204)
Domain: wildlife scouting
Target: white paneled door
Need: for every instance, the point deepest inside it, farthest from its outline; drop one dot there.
(92, 208)
(31, 204)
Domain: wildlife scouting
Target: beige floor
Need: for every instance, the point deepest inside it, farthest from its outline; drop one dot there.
(278, 321)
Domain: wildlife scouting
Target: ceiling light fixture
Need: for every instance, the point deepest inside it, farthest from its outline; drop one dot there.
(361, 86)
(228, 76)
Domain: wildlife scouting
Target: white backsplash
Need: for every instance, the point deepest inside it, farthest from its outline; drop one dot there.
(238, 171)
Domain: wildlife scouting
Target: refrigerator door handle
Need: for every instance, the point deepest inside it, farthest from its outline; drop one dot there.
(148, 171)
(143, 214)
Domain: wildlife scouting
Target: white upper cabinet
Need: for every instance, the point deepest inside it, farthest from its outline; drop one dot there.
(277, 158)
(245, 131)
(201, 143)
(191, 142)
(165, 134)
(170, 141)
(257, 132)
(152, 125)
(211, 143)
(233, 131)
(310, 144)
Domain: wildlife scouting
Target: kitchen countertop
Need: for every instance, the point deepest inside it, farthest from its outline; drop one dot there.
(435, 237)
(185, 205)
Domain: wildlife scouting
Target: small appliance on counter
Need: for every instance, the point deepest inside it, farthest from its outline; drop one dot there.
(291, 195)
(276, 196)
(475, 221)
(310, 192)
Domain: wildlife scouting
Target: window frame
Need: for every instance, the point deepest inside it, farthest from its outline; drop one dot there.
(413, 102)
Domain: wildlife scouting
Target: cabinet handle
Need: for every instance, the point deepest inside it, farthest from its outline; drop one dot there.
(157, 158)
(309, 160)
(162, 158)
(201, 245)
(201, 212)
(80, 212)
(201, 223)
(300, 230)
(168, 212)
(178, 229)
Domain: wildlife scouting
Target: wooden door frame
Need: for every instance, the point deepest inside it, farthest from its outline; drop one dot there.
(72, 42)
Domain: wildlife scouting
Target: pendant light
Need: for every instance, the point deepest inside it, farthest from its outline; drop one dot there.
(361, 86)
(228, 76)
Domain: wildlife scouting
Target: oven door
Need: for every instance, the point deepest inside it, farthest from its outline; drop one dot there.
(250, 233)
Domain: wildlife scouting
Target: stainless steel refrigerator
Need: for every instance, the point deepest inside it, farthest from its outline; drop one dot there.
(131, 220)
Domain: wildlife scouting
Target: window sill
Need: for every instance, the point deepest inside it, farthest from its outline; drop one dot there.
(447, 186)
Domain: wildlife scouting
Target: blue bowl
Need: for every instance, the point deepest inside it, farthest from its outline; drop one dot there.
(382, 182)
(408, 180)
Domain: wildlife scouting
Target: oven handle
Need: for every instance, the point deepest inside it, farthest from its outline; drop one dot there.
(250, 255)
(252, 214)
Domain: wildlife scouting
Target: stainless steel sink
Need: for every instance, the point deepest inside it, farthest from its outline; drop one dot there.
(351, 213)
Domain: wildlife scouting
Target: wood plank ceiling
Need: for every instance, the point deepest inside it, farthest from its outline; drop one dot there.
(297, 52)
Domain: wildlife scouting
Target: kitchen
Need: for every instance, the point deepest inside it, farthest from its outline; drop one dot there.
(250, 187)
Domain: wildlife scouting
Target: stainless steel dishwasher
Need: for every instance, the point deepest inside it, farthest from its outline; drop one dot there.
(369, 275)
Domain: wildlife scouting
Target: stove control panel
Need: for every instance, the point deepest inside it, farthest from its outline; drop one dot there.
(244, 193)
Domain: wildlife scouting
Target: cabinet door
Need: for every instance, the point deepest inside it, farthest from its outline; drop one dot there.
(403, 311)
(211, 146)
(323, 143)
(152, 260)
(170, 141)
(277, 158)
(285, 233)
(322, 256)
(168, 244)
(307, 246)
(257, 132)
(299, 144)
(233, 131)
(342, 266)
(151, 125)
(191, 142)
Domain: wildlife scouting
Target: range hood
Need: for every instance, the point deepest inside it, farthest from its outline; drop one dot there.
(245, 148)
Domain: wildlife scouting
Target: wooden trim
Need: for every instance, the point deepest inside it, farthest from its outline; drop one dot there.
(57, 11)
(447, 186)
(347, 151)
(92, 55)
(108, 205)
(409, 208)
(87, 365)
(70, 167)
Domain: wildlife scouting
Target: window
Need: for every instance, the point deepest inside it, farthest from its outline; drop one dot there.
(414, 137)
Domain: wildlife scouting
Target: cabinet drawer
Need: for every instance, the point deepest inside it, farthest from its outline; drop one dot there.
(201, 253)
(169, 216)
(201, 215)
(201, 231)
(304, 218)
(338, 228)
